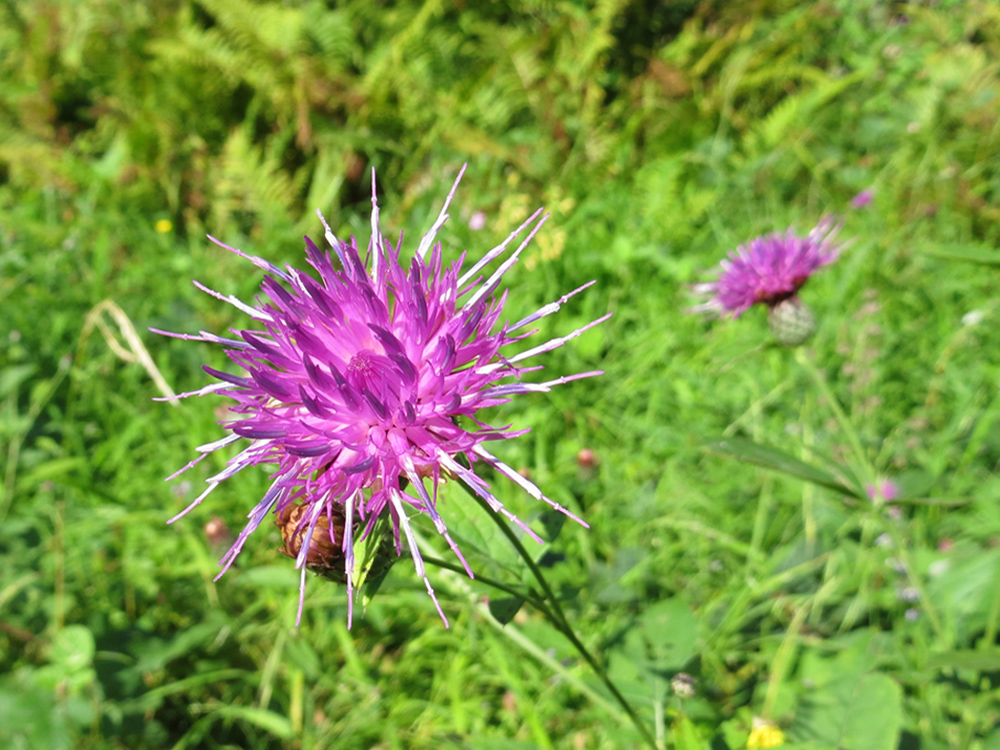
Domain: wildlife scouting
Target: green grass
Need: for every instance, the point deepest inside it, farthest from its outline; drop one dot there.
(660, 141)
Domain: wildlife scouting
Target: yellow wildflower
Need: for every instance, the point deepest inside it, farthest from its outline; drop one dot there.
(163, 226)
(765, 734)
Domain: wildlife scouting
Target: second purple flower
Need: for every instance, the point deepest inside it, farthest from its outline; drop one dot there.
(769, 270)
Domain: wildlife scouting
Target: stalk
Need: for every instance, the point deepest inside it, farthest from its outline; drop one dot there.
(554, 613)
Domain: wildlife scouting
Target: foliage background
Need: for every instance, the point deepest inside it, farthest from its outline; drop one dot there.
(661, 135)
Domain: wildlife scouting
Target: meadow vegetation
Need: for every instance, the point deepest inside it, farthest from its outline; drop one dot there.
(736, 574)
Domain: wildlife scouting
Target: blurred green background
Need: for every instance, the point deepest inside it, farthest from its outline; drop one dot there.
(661, 136)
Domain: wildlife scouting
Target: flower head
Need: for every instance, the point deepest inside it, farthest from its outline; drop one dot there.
(360, 383)
(862, 199)
(764, 734)
(768, 270)
(884, 489)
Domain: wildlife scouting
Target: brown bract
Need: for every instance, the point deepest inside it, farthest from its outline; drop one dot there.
(324, 556)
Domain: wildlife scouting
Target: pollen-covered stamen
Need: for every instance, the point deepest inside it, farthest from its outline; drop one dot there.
(364, 372)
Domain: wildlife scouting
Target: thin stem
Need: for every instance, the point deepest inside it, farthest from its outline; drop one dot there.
(558, 618)
(900, 545)
(531, 598)
(838, 412)
(17, 440)
(868, 528)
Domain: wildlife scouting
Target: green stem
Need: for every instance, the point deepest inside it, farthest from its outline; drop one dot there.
(531, 598)
(17, 440)
(868, 528)
(838, 412)
(558, 618)
(900, 545)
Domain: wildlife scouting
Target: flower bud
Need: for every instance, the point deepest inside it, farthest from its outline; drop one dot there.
(792, 322)
(373, 555)
(324, 557)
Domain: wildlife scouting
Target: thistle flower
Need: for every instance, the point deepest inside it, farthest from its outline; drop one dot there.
(769, 270)
(862, 199)
(362, 383)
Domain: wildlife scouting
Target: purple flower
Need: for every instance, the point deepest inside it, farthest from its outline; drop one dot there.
(769, 270)
(477, 221)
(862, 199)
(884, 488)
(365, 381)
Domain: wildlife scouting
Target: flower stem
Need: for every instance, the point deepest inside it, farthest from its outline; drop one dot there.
(531, 597)
(558, 618)
(870, 477)
(838, 412)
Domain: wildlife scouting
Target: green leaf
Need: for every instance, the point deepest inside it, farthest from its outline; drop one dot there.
(52, 470)
(276, 724)
(941, 502)
(154, 698)
(73, 648)
(965, 589)
(552, 524)
(155, 653)
(504, 608)
(374, 556)
(484, 545)
(269, 576)
(852, 713)
(874, 716)
(772, 458)
(984, 255)
(686, 735)
(987, 660)
(11, 377)
(671, 630)
(30, 718)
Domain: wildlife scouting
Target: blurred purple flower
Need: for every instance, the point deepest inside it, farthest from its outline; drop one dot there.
(770, 270)
(477, 221)
(884, 488)
(862, 199)
(360, 385)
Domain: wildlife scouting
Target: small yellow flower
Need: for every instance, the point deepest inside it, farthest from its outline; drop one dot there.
(163, 226)
(765, 734)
